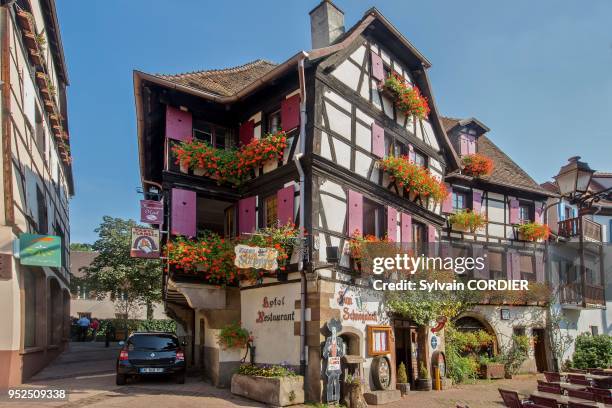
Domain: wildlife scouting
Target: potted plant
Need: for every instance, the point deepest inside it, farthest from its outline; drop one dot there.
(352, 391)
(402, 379)
(491, 368)
(477, 165)
(533, 231)
(407, 99)
(273, 385)
(423, 383)
(467, 220)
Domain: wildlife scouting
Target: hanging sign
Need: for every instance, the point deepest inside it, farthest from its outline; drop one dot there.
(440, 323)
(40, 250)
(152, 211)
(145, 243)
(256, 257)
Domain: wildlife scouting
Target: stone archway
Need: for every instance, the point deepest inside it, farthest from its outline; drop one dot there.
(471, 321)
(353, 340)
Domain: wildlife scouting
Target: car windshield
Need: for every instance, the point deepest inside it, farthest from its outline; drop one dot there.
(148, 342)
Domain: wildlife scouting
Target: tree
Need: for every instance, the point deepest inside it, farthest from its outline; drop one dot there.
(132, 282)
(77, 246)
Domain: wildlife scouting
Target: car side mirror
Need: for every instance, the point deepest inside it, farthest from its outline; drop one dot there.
(121, 343)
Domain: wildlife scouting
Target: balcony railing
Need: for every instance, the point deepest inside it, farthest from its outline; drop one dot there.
(571, 228)
(571, 294)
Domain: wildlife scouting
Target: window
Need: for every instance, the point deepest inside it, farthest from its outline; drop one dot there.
(420, 159)
(43, 227)
(569, 212)
(525, 213)
(82, 292)
(594, 330)
(214, 135)
(230, 221)
(373, 218)
(270, 211)
(418, 237)
(460, 200)
(527, 269)
(496, 265)
(274, 121)
(518, 331)
(389, 149)
(592, 276)
(39, 130)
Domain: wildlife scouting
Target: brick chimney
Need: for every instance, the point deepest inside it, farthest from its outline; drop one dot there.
(326, 24)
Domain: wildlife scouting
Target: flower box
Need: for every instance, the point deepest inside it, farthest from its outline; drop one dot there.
(275, 391)
(492, 371)
(199, 171)
(270, 165)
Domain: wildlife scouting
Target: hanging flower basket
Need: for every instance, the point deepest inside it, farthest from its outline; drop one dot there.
(407, 99)
(467, 220)
(416, 180)
(477, 165)
(533, 231)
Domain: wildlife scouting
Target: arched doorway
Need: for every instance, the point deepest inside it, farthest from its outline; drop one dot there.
(474, 322)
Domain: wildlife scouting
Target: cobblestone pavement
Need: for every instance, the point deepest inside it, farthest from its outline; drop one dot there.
(91, 383)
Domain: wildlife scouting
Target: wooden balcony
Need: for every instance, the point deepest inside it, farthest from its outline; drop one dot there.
(571, 294)
(590, 230)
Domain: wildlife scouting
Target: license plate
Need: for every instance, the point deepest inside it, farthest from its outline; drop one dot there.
(151, 370)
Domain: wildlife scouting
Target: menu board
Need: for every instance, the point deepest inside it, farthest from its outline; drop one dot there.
(379, 340)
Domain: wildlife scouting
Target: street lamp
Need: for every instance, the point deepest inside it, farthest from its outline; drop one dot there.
(573, 181)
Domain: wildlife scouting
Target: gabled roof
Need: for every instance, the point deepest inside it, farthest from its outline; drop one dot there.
(506, 172)
(80, 260)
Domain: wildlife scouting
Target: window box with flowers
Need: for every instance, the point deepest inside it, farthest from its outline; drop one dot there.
(407, 99)
(467, 221)
(533, 231)
(358, 250)
(414, 179)
(273, 385)
(477, 165)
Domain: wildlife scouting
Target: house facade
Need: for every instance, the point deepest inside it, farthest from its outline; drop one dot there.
(36, 186)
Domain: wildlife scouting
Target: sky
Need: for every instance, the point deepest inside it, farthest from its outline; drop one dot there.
(537, 73)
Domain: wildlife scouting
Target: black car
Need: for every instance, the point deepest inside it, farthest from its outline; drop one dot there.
(145, 354)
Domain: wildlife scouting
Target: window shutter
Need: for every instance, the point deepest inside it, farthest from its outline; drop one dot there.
(478, 252)
(392, 223)
(406, 226)
(411, 154)
(378, 71)
(378, 140)
(509, 264)
(284, 205)
(514, 211)
(463, 144)
(476, 201)
(290, 113)
(431, 233)
(355, 212)
(246, 215)
(538, 214)
(183, 220)
(246, 132)
(179, 124)
(539, 266)
(447, 204)
(471, 144)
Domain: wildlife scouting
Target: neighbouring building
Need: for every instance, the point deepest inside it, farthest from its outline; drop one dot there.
(36, 186)
(84, 302)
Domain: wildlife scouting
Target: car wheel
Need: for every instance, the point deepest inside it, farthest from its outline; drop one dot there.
(120, 379)
(180, 378)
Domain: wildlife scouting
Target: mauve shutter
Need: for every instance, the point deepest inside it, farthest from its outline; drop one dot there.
(463, 143)
(355, 212)
(378, 140)
(284, 205)
(471, 144)
(539, 266)
(183, 220)
(246, 215)
(476, 201)
(509, 264)
(392, 223)
(406, 226)
(478, 252)
(447, 204)
(247, 132)
(538, 214)
(290, 112)
(378, 71)
(514, 211)
(179, 124)
(431, 233)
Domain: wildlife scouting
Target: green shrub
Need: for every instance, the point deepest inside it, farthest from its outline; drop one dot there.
(269, 371)
(402, 377)
(515, 354)
(592, 351)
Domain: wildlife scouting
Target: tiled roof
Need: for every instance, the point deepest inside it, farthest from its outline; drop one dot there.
(80, 260)
(505, 171)
(222, 82)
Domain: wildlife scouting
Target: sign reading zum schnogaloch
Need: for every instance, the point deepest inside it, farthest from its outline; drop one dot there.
(40, 250)
(256, 257)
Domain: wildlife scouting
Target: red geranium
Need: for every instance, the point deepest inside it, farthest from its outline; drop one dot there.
(477, 165)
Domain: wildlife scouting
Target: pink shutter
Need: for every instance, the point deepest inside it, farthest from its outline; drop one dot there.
(476, 201)
(478, 252)
(538, 214)
(246, 215)
(431, 233)
(392, 223)
(355, 212)
(516, 265)
(539, 266)
(406, 226)
(284, 205)
(179, 124)
(411, 154)
(514, 211)
(471, 144)
(247, 132)
(290, 113)
(447, 204)
(183, 219)
(509, 264)
(378, 140)
(463, 143)
(378, 71)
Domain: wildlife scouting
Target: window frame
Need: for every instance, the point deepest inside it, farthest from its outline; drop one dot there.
(380, 227)
(197, 124)
(276, 112)
(530, 209)
(266, 209)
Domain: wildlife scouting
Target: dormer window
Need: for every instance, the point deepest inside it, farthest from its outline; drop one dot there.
(525, 213)
(214, 135)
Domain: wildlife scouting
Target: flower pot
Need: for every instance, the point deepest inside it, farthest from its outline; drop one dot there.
(459, 227)
(198, 171)
(270, 165)
(279, 392)
(404, 388)
(423, 384)
(183, 168)
(412, 195)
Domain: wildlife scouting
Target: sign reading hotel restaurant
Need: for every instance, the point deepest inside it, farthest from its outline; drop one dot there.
(40, 250)
(151, 211)
(256, 257)
(145, 243)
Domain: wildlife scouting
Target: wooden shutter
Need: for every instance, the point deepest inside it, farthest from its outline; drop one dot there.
(471, 144)
(476, 201)
(246, 132)
(538, 214)
(290, 113)
(463, 145)
(392, 223)
(406, 227)
(355, 212)
(247, 221)
(411, 154)
(183, 218)
(447, 204)
(378, 140)
(539, 266)
(378, 70)
(431, 233)
(179, 124)
(284, 205)
(514, 211)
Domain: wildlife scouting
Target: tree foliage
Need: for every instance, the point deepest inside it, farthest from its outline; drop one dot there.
(592, 351)
(78, 246)
(132, 282)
